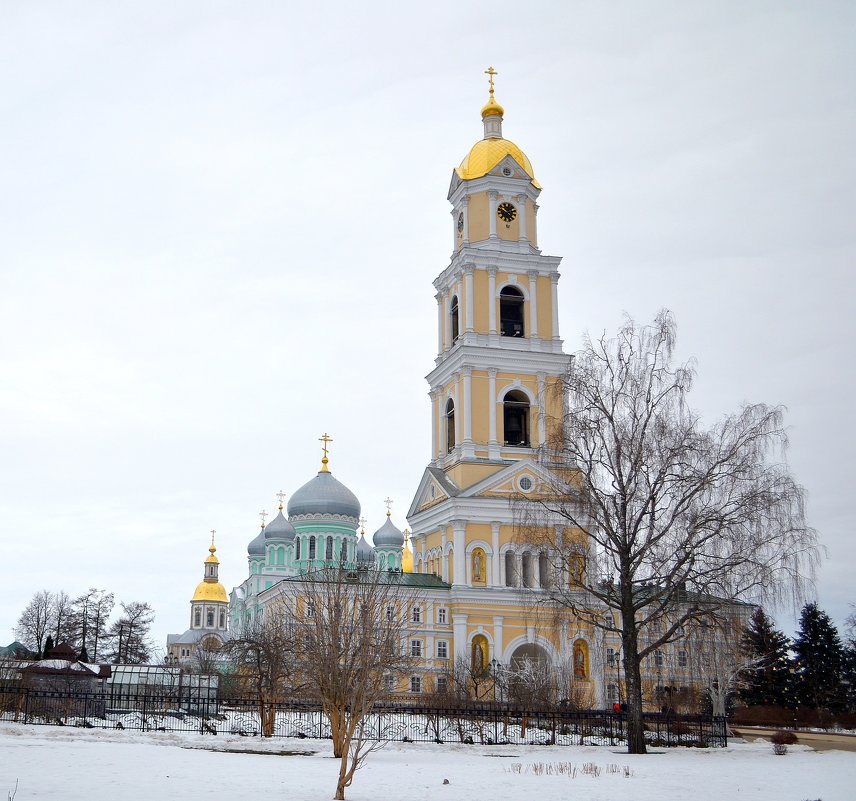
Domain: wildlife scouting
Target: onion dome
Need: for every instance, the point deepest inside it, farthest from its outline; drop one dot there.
(365, 552)
(210, 589)
(279, 528)
(388, 536)
(324, 496)
(487, 153)
(257, 546)
(492, 108)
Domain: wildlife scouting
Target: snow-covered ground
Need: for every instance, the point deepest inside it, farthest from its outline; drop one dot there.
(90, 765)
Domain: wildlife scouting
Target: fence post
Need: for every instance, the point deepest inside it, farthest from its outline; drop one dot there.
(144, 719)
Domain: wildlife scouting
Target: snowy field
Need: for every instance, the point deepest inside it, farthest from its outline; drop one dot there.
(91, 765)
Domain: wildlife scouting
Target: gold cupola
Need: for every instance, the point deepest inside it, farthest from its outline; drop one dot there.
(485, 154)
(210, 588)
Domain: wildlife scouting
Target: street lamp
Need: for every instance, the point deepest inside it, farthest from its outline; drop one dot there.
(495, 666)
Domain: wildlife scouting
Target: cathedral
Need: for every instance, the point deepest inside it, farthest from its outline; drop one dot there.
(493, 394)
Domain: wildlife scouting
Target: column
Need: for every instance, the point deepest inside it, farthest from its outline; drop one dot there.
(493, 444)
(492, 213)
(459, 627)
(444, 557)
(533, 304)
(554, 279)
(491, 299)
(542, 418)
(424, 552)
(495, 580)
(435, 401)
(466, 203)
(498, 644)
(440, 325)
(440, 445)
(468, 404)
(458, 410)
(521, 204)
(447, 320)
(468, 290)
(460, 552)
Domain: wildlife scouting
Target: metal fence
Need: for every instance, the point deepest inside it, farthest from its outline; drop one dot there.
(474, 724)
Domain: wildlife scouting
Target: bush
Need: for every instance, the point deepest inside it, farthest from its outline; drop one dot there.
(784, 738)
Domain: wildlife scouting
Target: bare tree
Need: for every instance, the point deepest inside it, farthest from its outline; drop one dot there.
(129, 636)
(655, 516)
(35, 621)
(61, 617)
(91, 612)
(265, 658)
(352, 638)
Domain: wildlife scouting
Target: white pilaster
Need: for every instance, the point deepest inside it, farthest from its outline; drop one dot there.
(466, 204)
(533, 304)
(554, 280)
(492, 212)
(493, 444)
(458, 410)
(447, 320)
(444, 557)
(440, 325)
(495, 561)
(468, 404)
(459, 627)
(498, 644)
(459, 556)
(491, 299)
(542, 417)
(521, 205)
(468, 291)
(435, 401)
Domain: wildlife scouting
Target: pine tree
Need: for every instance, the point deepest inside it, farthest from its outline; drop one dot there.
(819, 660)
(768, 680)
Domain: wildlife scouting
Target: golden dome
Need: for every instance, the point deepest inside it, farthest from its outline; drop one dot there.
(487, 153)
(492, 108)
(210, 591)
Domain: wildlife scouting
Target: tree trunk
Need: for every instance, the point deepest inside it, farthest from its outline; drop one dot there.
(633, 680)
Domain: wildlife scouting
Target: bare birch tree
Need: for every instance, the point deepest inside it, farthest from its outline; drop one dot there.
(353, 634)
(679, 519)
(35, 621)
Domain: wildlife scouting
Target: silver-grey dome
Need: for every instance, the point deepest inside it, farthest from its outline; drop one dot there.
(324, 495)
(257, 545)
(365, 552)
(280, 529)
(388, 536)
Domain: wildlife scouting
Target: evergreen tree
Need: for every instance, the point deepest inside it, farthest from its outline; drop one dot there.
(49, 645)
(819, 660)
(129, 635)
(768, 678)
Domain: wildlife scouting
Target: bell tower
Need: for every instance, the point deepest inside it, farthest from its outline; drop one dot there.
(499, 351)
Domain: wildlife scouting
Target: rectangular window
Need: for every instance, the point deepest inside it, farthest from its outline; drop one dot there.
(442, 649)
(441, 616)
(415, 684)
(682, 658)
(390, 613)
(611, 659)
(417, 614)
(389, 683)
(310, 608)
(611, 692)
(442, 684)
(658, 658)
(416, 647)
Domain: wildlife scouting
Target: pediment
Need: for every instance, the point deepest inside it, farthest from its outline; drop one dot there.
(525, 477)
(435, 487)
(508, 163)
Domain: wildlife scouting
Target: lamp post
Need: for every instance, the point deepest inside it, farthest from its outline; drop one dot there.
(495, 666)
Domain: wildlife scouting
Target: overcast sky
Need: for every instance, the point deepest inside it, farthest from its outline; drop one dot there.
(220, 221)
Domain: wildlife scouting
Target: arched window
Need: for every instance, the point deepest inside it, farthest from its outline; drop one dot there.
(222, 619)
(450, 425)
(528, 572)
(328, 554)
(453, 313)
(581, 660)
(515, 418)
(297, 548)
(312, 547)
(197, 617)
(543, 571)
(511, 312)
(510, 571)
(343, 555)
(210, 618)
(280, 556)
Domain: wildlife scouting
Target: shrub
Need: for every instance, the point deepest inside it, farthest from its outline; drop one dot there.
(784, 738)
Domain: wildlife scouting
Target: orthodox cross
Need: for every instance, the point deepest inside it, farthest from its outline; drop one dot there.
(213, 532)
(325, 439)
(362, 524)
(490, 72)
(388, 503)
(280, 495)
(263, 514)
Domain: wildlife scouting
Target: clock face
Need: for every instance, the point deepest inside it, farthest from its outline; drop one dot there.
(461, 223)
(506, 212)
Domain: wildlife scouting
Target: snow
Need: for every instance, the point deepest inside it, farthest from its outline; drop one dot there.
(91, 764)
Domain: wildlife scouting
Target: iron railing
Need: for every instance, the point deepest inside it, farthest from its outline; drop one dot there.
(453, 722)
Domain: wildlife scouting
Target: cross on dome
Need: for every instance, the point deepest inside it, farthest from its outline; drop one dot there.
(490, 72)
(280, 495)
(263, 514)
(388, 502)
(325, 439)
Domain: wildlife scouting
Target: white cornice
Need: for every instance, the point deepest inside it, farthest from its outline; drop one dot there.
(484, 357)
